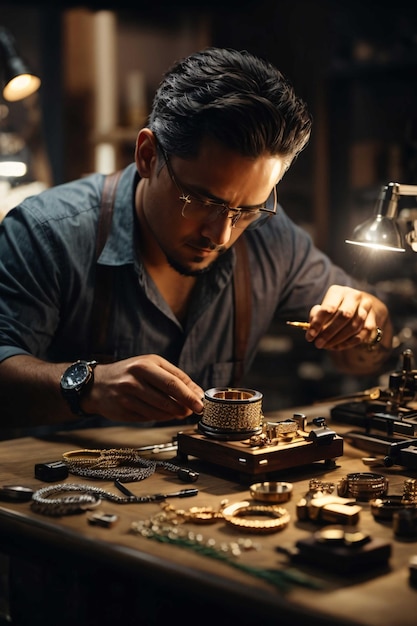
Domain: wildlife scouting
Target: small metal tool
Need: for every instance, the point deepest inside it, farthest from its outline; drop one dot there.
(303, 325)
(170, 446)
(156, 497)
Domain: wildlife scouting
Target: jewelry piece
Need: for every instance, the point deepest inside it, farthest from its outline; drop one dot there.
(410, 491)
(316, 486)
(320, 507)
(126, 464)
(283, 431)
(164, 528)
(373, 344)
(228, 552)
(271, 492)
(231, 413)
(384, 508)
(238, 515)
(89, 497)
(261, 440)
(196, 514)
(363, 486)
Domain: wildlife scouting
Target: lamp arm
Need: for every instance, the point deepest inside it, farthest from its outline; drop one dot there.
(7, 43)
(387, 201)
(407, 190)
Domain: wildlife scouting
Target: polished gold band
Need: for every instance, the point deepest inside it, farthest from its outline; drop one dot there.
(275, 492)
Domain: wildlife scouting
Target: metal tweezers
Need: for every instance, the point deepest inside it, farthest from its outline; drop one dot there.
(170, 446)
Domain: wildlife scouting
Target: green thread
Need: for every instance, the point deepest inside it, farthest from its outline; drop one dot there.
(281, 579)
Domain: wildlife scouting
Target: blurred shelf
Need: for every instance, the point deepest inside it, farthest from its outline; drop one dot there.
(119, 135)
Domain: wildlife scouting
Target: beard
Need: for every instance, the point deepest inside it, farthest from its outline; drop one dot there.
(186, 271)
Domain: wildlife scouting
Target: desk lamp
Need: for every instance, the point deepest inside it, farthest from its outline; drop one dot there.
(381, 232)
(17, 80)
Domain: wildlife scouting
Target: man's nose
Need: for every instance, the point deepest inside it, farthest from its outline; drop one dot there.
(219, 231)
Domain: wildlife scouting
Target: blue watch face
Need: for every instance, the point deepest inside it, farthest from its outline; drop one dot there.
(75, 375)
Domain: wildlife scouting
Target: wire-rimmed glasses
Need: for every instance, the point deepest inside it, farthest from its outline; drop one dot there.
(207, 211)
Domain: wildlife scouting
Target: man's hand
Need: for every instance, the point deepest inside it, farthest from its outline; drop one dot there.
(143, 388)
(348, 319)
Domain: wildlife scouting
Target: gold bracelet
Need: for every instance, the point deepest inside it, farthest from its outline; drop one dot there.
(237, 515)
(84, 457)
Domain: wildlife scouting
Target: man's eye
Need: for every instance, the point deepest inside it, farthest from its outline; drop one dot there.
(249, 215)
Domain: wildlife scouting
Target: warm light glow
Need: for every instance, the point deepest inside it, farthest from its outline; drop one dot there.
(12, 169)
(21, 87)
(382, 231)
(375, 246)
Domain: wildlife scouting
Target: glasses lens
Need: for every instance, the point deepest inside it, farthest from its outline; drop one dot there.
(248, 218)
(260, 217)
(207, 212)
(200, 211)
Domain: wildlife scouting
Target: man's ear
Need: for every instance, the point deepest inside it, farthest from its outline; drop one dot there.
(145, 152)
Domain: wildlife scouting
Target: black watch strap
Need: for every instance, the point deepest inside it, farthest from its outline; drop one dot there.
(74, 395)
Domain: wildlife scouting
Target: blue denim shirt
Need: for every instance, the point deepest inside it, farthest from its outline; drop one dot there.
(47, 273)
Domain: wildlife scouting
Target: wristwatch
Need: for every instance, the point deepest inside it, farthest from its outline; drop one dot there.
(74, 381)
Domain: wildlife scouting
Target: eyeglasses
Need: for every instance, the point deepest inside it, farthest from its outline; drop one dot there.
(207, 211)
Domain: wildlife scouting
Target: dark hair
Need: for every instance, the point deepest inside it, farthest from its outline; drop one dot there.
(234, 97)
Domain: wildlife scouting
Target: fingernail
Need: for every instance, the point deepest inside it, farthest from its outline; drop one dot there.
(199, 408)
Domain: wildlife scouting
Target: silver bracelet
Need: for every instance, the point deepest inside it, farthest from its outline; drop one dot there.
(87, 497)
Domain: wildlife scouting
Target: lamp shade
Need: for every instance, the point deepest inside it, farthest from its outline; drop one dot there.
(17, 80)
(379, 233)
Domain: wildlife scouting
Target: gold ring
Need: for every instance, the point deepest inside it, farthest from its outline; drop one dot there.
(373, 343)
(271, 491)
(362, 486)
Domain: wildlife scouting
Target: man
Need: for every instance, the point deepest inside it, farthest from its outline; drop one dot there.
(224, 128)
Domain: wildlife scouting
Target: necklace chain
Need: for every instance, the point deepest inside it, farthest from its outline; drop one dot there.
(124, 464)
(86, 497)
